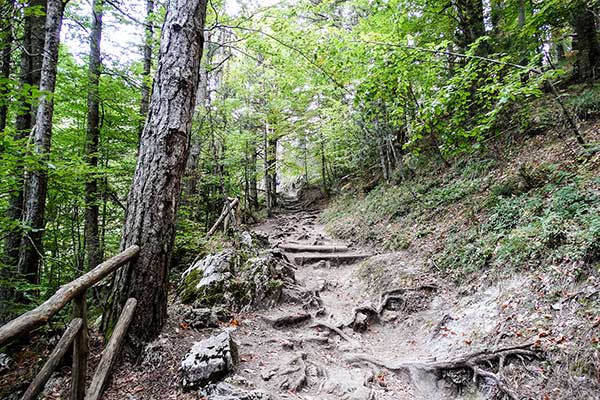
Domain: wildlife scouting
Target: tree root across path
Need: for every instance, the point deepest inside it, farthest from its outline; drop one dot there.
(374, 312)
(473, 362)
(295, 373)
(338, 331)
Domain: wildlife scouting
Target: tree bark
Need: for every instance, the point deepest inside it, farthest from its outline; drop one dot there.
(272, 163)
(585, 43)
(92, 206)
(5, 51)
(6, 291)
(29, 77)
(191, 168)
(470, 24)
(252, 175)
(146, 83)
(37, 184)
(155, 191)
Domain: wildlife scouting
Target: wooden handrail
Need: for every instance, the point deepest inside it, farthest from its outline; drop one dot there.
(60, 350)
(41, 314)
(111, 352)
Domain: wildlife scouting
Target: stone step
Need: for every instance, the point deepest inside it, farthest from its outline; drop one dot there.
(334, 258)
(299, 247)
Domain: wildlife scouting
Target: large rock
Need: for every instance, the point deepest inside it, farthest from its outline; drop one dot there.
(209, 361)
(225, 391)
(236, 279)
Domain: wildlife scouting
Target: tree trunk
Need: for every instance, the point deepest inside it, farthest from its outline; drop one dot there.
(92, 206)
(585, 43)
(37, 185)
(146, 82)
(6, 290)
(29, 77)
(266, 169)
(191, 169)
(252, 175)
(470, 24)
(5, 51)
(272, 165)
(155, 191)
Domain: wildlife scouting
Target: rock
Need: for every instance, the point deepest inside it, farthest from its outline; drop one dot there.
(200, 318)
(348, 384)
(361, 322)
(236, 280)
(5, 362)
(225, 391)
(209, 361)
(153, 354)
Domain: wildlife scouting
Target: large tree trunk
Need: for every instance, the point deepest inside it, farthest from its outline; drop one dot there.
(146, 83)
(92, 206)
(37, 184)
(29, 77)
(585, 43)
(155, 191)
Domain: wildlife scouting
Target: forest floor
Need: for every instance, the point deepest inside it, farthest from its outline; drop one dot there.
(306, 360)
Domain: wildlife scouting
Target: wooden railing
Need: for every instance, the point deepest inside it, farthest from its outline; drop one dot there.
(76, 335)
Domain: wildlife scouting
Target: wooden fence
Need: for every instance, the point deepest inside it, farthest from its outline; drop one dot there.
(76, 335)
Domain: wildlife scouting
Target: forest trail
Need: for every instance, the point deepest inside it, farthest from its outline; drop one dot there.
(290, 357)
(294, 352)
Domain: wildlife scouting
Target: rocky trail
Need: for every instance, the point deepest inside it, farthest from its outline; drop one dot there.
(353, 325)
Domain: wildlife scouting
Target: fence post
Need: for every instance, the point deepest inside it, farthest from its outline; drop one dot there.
(80, 349)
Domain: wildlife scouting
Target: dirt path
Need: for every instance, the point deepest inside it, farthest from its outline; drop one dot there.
(328, 375)
(309, 361)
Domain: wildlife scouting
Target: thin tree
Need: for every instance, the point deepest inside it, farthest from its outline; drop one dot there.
(37, 184)
(6, 13)
(6, 10)
(32, 46)
(92, 208)
(585, 42)
(155, 191)
(148, 47)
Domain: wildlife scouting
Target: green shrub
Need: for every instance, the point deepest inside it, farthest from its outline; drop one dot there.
(586, 105)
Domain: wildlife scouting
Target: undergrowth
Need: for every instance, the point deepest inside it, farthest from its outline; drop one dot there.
(482, 216)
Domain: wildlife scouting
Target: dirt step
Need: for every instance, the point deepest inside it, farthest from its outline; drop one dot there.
(335, 258)
(298, 247)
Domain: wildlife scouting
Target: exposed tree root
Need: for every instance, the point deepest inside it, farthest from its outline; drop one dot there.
(288, 320)
(472, 362)
(295, 374)
(335, 329)
(374, 312)
(294, 293)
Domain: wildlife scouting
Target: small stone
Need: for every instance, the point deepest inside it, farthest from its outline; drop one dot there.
(209, 361)
(361, 323)
(225, 391)
(5, 362)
